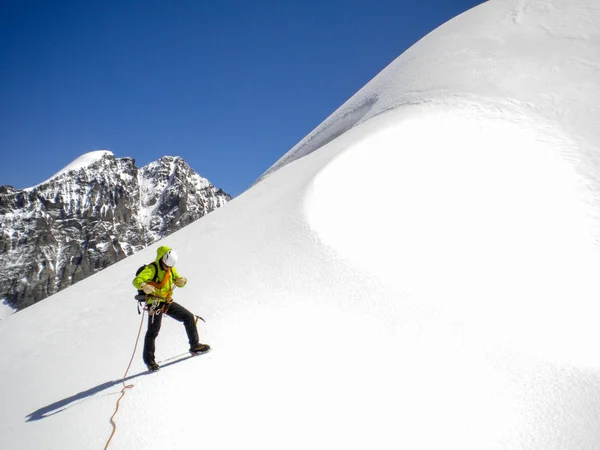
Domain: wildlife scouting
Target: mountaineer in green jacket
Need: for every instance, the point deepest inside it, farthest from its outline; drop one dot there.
(158, 297)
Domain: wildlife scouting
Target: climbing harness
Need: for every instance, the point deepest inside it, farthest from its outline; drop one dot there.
(155, 304)
(154, 308)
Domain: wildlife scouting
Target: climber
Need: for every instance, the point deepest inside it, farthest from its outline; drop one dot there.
(158, 280)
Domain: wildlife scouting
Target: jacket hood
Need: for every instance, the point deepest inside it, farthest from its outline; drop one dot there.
(161, 252)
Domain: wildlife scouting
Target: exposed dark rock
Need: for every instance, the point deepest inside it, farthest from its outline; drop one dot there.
(82, 221)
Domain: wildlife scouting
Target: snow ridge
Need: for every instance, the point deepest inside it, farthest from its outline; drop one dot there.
(516, 57)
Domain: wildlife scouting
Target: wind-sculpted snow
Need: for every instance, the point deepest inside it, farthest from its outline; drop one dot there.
(486, 215)
(541, 55)
(424, 277)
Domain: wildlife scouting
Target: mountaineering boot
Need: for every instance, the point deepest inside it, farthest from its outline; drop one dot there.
(199, 348)
(152, 366)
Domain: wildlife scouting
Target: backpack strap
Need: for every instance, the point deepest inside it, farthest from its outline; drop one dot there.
(155, 277)
(141, 296)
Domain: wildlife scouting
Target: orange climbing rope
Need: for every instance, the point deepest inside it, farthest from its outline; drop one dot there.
(162, 283)
(125, 387)
(129, 386)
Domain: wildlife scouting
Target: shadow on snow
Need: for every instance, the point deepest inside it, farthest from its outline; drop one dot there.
(63, 404)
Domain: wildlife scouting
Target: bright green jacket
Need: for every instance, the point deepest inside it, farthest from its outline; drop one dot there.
(147, 274)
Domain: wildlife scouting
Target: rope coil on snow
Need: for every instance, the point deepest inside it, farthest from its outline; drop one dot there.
(125, 387)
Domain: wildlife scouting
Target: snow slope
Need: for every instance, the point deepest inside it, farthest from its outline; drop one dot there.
(419, 274)
(538, 57)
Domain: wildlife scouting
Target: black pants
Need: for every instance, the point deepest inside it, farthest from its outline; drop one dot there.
(177, 312)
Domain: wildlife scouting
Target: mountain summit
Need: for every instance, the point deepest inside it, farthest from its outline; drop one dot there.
(94, 212)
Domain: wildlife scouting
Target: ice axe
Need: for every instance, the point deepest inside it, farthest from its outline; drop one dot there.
(195, 315)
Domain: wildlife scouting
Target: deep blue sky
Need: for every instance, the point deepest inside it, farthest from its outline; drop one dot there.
(228, 85)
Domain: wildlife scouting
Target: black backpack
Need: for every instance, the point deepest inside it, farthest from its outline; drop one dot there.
(141, 295)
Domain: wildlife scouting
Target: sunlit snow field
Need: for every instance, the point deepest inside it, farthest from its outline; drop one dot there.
(420, 272)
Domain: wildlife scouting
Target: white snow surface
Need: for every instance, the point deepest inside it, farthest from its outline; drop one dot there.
(423, 276)
(79, 163)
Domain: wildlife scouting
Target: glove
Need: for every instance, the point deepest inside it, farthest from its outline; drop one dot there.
(147, 288)
(180, 282)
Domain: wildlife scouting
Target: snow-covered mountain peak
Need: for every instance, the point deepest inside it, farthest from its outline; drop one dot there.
(83, 161)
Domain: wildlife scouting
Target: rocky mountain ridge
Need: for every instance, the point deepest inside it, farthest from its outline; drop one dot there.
(96, 211)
